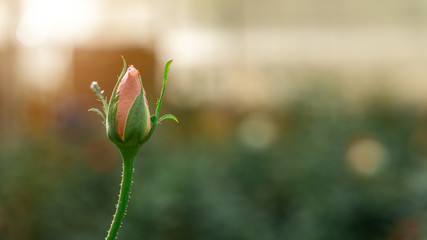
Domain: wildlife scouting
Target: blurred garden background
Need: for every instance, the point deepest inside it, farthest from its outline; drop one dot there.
(299, 119)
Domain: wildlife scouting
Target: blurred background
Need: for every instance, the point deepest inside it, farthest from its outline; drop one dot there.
(299, 119)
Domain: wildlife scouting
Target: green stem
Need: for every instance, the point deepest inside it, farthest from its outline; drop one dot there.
(128, 155)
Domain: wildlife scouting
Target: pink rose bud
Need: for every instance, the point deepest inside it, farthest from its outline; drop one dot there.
(128, 90)
(130, 113)
(127, 116)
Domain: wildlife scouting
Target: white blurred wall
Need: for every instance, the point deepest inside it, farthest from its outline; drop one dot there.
(243, 54)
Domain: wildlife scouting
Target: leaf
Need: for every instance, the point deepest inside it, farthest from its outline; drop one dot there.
(165, 74)
(155, 118)
(165, 79)
(167, 116)
(98, 112)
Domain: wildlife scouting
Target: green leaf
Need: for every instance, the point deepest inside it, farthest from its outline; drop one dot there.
(167, 116)
(155, 117)
(166, 72)
(165, 79)
(97, 111)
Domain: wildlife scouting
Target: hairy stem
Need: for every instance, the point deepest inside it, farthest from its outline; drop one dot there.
(128, 155)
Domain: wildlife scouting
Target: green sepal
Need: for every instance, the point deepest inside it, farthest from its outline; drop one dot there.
(136, 122)
(112, 110)
(167, 116)
(140, 81)
(100, 93)
(113, 94)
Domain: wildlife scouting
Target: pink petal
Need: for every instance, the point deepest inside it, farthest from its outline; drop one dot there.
(128, 90)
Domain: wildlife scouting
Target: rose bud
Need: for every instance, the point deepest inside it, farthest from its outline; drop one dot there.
(128, 119)
(127, 116)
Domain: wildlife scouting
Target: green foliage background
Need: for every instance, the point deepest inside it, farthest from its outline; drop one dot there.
(192, 182)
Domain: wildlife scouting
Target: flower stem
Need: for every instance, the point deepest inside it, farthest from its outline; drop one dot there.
(128, 155)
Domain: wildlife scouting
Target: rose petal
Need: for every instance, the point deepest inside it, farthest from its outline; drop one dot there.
(128, 90)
